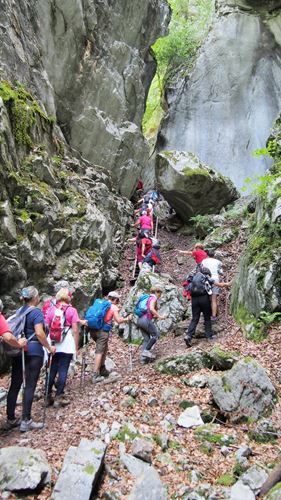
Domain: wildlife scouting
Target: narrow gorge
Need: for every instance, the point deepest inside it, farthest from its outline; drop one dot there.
(184, 96)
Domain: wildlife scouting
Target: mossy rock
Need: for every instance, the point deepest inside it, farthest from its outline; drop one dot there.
(274, 493)
(216, 359)
(212, 434)
(227, 480)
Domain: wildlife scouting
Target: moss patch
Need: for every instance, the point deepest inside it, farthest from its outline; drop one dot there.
(226, 480)
(23, 109)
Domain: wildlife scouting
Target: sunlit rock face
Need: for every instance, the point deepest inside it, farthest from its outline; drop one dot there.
(225, 109)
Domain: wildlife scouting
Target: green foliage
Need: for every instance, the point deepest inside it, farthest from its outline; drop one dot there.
(23, 109)
(186, 404)
(189, 25)
(203, 224)
(226, 480)
(125, 434)
(267, 318)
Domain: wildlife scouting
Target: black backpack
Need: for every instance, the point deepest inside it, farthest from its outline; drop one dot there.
(199, 285)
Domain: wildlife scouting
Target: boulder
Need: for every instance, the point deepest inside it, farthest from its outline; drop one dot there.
(142, 448)
(216, 359)
(23, 468)
(240, 490)
(148, 483)
(191, 187)
(190, 418)
(255, 477)
(80, 470)
(244, 391)
(197, 381)
(171, 303)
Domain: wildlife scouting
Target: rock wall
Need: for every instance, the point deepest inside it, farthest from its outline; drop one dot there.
(224, 109)
(60, 216)
(257, 290)
(89, 64)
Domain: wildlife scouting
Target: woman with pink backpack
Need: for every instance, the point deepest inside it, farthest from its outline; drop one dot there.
(62, 320)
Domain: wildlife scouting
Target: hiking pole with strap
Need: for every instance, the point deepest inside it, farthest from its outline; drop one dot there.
(47, 384)
(83, 365)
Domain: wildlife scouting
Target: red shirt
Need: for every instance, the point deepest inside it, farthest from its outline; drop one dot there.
(147, 245)
(199, 255)
(4, 327)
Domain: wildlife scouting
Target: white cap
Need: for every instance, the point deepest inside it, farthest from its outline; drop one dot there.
(114, 295)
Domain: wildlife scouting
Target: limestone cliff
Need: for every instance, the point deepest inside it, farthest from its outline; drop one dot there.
(89, 64)
(257, 290)
(224, 109)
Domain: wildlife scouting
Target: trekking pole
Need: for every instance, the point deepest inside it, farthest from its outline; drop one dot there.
(83, 365)
(47, 384)
(130, 346)
(23, 376)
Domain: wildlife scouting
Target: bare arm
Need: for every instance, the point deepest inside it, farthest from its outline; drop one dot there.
(40, 334)
(119, 318)
(12, 341)
(222, 285)
(185, 252)
(152, 308)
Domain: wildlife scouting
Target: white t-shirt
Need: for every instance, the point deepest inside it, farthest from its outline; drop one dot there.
(215, 267)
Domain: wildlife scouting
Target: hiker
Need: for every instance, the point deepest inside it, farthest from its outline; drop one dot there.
(62, 321)
(198, 253)
(143, 246)
(146, 310)
(145, 222)
(215, 267)
(107, 311)
(153, 258)
(34, 355)
(47, 304)
(6, 334)
(200, 288)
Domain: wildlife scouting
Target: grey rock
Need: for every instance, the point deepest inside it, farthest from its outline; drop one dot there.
(243, 451)
(244, 391)
(197, 381)
(254, 478)
(240, 490)
(196, 360)
(23, 468)
(168, 393)
(190, 418)
(225, 451)
(199, 104)
(3, 396)
(131, 391)
(142, 448)
(181, 176)
(80, 470)
(170, 305)
(163, 441)
(153, 401)
(148, 484)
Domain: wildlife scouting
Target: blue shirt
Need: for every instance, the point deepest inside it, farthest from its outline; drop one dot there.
(34, 317)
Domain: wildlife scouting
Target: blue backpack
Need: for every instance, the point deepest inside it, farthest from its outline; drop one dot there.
(141, 305)
(96, 313)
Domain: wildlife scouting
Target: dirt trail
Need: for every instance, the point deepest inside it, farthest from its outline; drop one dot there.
(106, 403)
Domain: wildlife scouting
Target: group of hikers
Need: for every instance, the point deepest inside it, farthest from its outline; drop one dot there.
(34, 336)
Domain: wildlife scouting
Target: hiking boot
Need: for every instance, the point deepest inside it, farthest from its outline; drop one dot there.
(148, 354)
(11, 423)
(212, 339)
(104, 372)
(97, 378)
(214, 318)
(188, 341)
(60, 401)
(29, 425)
(144, 361)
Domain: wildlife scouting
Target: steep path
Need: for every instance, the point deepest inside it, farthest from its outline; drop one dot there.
(94, 409)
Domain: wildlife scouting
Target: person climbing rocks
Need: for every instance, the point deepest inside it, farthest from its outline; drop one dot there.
(101, 337)
(36, 340)
(148, 329)
(6, 334)
(198, 253)
(143, 246)
(145, 222)
(215, 266)
(200, 288)
(153, 258)
(63, 325)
